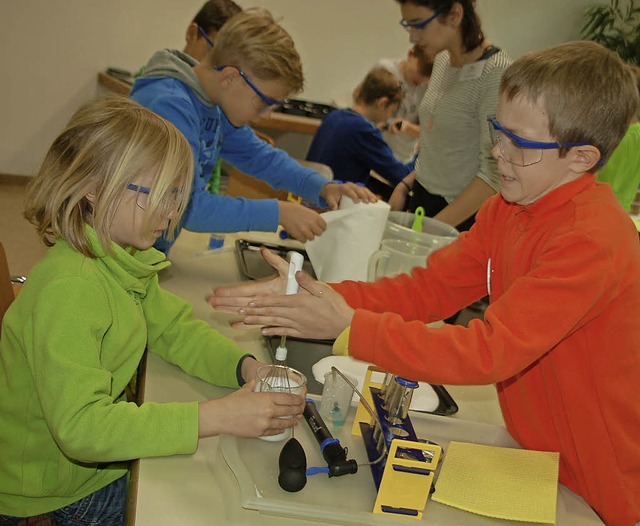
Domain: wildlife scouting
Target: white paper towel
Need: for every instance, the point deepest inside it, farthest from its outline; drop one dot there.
(353, 233)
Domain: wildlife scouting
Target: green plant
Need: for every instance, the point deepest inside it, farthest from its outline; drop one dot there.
(616, 26)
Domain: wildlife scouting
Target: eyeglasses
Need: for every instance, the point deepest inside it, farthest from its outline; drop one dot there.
(206, 37)
(416, 26)
(519, 151)
(169, 204)
(269, 102)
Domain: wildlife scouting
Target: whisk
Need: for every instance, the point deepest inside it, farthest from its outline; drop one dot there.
(280, 377)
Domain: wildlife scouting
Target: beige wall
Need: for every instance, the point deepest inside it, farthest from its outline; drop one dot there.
(51, 50)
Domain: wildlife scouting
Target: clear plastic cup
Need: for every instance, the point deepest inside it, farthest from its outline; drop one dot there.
(336, 397)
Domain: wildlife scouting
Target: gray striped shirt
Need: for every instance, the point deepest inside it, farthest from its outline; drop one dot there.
(454, 134)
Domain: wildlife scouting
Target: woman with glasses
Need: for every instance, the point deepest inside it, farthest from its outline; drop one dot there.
(455, 172)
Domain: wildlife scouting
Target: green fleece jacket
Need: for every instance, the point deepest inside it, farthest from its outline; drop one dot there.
(70, 343)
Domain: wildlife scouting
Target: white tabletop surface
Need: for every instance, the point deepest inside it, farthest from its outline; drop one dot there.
(201, 489)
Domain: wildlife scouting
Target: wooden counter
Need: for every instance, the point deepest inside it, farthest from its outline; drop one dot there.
(274, 121)
(113, 84)
(288, 123)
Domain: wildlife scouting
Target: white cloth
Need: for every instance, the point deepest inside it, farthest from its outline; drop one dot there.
(353, 233)
(424, 397)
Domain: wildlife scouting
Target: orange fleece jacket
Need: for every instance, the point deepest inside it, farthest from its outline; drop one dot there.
(560, 337)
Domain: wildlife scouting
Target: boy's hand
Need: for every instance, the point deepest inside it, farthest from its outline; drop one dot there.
(316, 312)
(232, 297)
(333, 192)
(300, 222)
(395, 126)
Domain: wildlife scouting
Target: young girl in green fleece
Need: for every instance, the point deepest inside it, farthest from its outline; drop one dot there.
(115, 179)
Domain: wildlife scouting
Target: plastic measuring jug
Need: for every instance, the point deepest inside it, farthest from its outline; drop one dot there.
(396, 256)
(433, 234)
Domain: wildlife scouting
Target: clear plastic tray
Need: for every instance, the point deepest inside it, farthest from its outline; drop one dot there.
(350, 499)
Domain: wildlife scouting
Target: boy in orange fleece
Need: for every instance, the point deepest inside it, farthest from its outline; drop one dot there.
(558, 257)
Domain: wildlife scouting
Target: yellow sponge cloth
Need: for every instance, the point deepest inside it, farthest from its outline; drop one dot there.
(514, 484)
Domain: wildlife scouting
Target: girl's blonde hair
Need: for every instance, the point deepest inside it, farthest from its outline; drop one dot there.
(253, 41)
(107, 144)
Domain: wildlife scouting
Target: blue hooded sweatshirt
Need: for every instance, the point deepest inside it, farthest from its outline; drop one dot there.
(169, 87)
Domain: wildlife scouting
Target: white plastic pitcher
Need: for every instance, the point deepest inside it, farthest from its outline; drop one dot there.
(396, 256)
(435, 234)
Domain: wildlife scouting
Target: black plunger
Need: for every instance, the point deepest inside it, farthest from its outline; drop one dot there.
(293, 466)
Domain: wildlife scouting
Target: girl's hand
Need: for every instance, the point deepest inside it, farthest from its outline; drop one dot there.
(246, 413)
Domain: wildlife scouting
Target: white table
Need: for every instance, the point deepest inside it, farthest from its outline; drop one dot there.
(201, 489)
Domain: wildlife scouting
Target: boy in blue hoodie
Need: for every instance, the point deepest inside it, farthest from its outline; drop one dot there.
(252, 68)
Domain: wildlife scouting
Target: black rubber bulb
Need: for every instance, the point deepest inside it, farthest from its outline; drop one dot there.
(293, 466)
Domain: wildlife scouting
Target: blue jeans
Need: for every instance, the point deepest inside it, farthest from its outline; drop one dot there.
(105, 507)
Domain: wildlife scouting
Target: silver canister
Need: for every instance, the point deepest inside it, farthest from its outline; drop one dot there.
(386, 384)
(399, 400)
(389, 392)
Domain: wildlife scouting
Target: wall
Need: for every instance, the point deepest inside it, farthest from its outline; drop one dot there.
(51, 50)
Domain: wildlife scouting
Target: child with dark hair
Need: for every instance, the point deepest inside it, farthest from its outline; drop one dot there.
(203, 30)
(350, 141)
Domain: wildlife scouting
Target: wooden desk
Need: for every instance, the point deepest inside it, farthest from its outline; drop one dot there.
(288, 123)
(273, 121)
(113, 84)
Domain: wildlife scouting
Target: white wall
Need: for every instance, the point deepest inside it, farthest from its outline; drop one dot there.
(52, 50)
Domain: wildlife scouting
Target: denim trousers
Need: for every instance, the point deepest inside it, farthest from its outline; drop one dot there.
(105, 507)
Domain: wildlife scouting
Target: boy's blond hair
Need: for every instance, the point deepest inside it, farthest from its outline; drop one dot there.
(587, 91)
(253, 42)
(107, 144)
(379, 83)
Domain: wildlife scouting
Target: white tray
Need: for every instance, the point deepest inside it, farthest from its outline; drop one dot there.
(349, 499)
